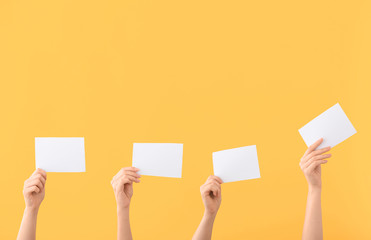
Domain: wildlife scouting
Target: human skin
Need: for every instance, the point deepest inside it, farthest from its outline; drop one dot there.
(122, 184)
(34, 193)
(211, 196)
(310, 164)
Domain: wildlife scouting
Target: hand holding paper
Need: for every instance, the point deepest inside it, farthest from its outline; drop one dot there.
(34, 189)
(122, 184)
(332, 125)
(211, 193)
(236, 164)
(158, 159)
(34, 193)
(311, 163)
(62, 154)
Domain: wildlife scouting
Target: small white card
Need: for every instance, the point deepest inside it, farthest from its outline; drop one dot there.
(332, 125)
(236, 164)
(60, 154)
(158, 159)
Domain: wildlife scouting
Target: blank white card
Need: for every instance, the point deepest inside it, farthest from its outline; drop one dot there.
(332, 125)
(158, 159)
(236, 164)
(60, 154)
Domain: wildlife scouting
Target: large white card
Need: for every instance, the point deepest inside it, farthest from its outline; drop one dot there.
(332, 125)
(236, 164)
(158, 159)
(60, 154)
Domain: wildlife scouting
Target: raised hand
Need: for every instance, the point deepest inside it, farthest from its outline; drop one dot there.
(34, 193)
(34, 189)
(211, 193)
(311, 163)
(122, 184)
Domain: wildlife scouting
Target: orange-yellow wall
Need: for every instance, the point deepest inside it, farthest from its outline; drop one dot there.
(210, 74)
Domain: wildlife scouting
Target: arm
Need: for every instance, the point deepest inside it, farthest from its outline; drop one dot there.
(212, 197)
(122, 185)
(311, 165)
(33, 192)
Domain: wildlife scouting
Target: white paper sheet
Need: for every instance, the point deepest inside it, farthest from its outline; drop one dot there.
(236, 164)
(158, 159)
(60, 154)
(332, 125)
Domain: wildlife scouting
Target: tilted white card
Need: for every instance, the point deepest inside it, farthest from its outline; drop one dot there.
(332, 125)
(236, 164)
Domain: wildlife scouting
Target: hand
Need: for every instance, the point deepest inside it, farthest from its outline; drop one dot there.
(122, 185)
(34, 189)
(311, 162)
(211, 193)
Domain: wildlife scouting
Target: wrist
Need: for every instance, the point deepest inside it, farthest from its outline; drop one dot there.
(314, 188)
(32, 209)
(123, 209)
(210, 215)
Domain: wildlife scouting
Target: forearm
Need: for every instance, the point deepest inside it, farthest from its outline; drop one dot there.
(313, 216)
(205, 228)
(123, 224)
(27, 231)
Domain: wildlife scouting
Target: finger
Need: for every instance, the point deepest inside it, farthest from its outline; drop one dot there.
(125, 180)
(316, 152)
(316, 158)
(113, 180)
(134, 179)
(205, 189)
(214, 190)
(35, 182)
(212, 186)
(128, 179)
(313, 146)
(115, 177)
(40, 171)
(114, 184)
(132, 169)
(320, 157)
(131, 173)
(39, 177)
(215, 184)
(124, 170)
(32, 189)
(118, 174)
(209, 183)
(119, 188)
(218, 192)
(121, 182)
(212, 177)
(316, 164)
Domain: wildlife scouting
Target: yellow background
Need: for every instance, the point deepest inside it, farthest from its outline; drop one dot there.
(210, 74)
